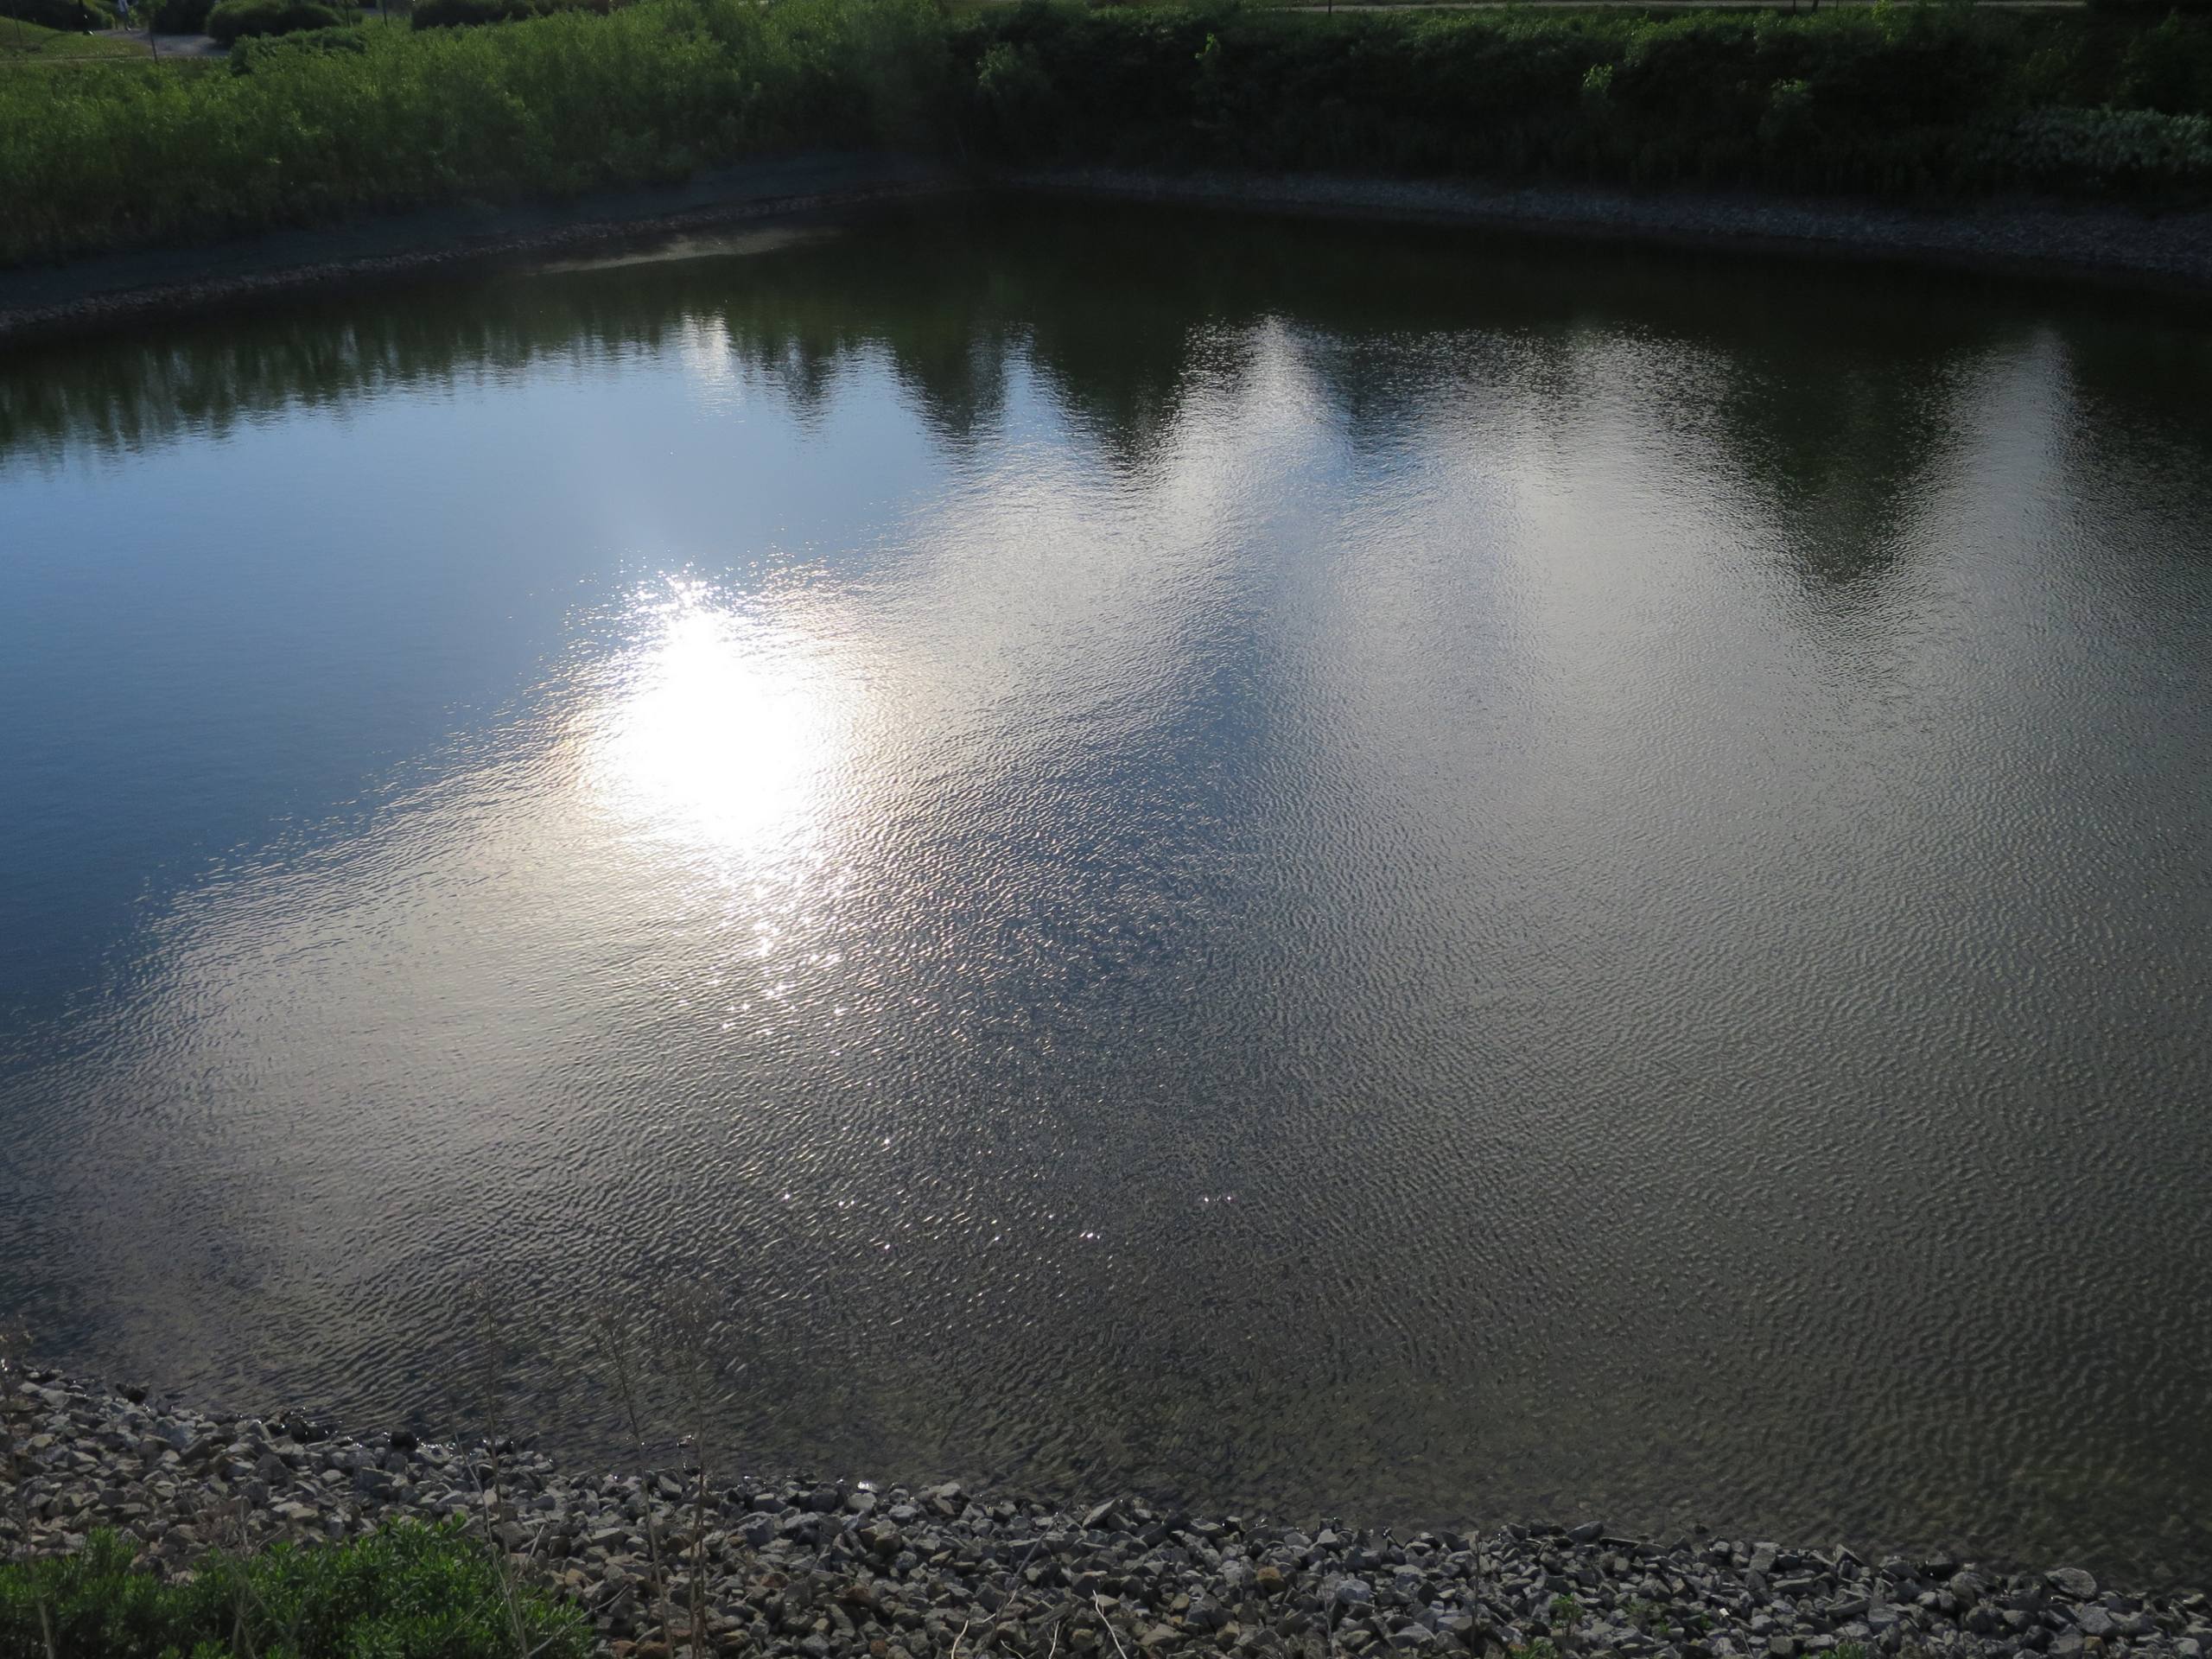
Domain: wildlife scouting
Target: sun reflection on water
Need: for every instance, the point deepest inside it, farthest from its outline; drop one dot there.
(722, 730)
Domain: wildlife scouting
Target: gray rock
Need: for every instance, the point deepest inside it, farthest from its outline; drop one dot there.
(850, 1569)
(2093, 1620)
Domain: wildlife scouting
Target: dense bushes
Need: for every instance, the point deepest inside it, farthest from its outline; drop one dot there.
(258, 53)
(552, 107)
(184, 16)
(2103, 149)
(230, 20)
(60, 14)
(448, 14)
(1888, 100)
(406, 1593)
(1891, 101)
(235, 20)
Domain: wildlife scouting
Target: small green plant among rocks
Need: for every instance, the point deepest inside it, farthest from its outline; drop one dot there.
(405, 1591)
(402, 1549)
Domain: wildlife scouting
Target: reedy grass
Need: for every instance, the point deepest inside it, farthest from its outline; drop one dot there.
(1938, 102)
(549, 107)
(1903, 101)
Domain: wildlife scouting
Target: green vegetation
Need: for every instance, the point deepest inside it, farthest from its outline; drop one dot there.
(235, 20)
(1565, 1610)
(64, 14)
(1915, 102)
(1912, 101)
(20, 41)
(448, 14)
(551, 107)
(407, 1591)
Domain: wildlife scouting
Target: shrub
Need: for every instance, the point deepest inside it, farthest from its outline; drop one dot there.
(140, 153)
(235, 20)
(62, 14)
(1016, 95)
(184, 16)
(2169, 68)
(256, 52)
(2097, 150)
(1887, 101)
(1883, 101)
(407, 1591)
(451, 14)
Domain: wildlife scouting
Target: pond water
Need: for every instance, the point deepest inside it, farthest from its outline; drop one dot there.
(1295, 867)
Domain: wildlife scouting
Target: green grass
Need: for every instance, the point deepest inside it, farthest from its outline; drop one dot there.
(407, 1591)
(545, 108)
(28, 42)
(1915, 102)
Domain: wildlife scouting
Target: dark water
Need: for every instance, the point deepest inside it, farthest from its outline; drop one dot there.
(1300, 867)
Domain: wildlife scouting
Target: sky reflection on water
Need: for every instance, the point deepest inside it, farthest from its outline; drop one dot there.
(1278, 864)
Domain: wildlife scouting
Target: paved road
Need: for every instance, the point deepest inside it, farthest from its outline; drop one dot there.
(171, 45)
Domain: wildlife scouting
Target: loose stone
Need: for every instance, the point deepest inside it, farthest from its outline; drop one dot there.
(809, 1570)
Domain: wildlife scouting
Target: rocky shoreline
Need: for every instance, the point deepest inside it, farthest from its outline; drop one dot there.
(105, 291)
(817, 1570)
(2098, 243)
(2101, 245)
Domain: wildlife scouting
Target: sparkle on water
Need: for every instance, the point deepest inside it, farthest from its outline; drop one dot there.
(1292, 866)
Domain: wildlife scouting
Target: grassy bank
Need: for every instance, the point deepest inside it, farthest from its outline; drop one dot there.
(1912, 102)
(394, 118)
(405, 1591)
(1906, 103)
(21, 41)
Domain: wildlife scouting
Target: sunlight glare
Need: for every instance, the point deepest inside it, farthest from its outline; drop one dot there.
(722, 729)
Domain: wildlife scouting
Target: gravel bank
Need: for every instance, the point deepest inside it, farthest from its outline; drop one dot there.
(2110, 245)
(820, 1570)
(126, 287)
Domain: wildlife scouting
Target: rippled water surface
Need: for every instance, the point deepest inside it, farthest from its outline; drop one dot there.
(1299, 866)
